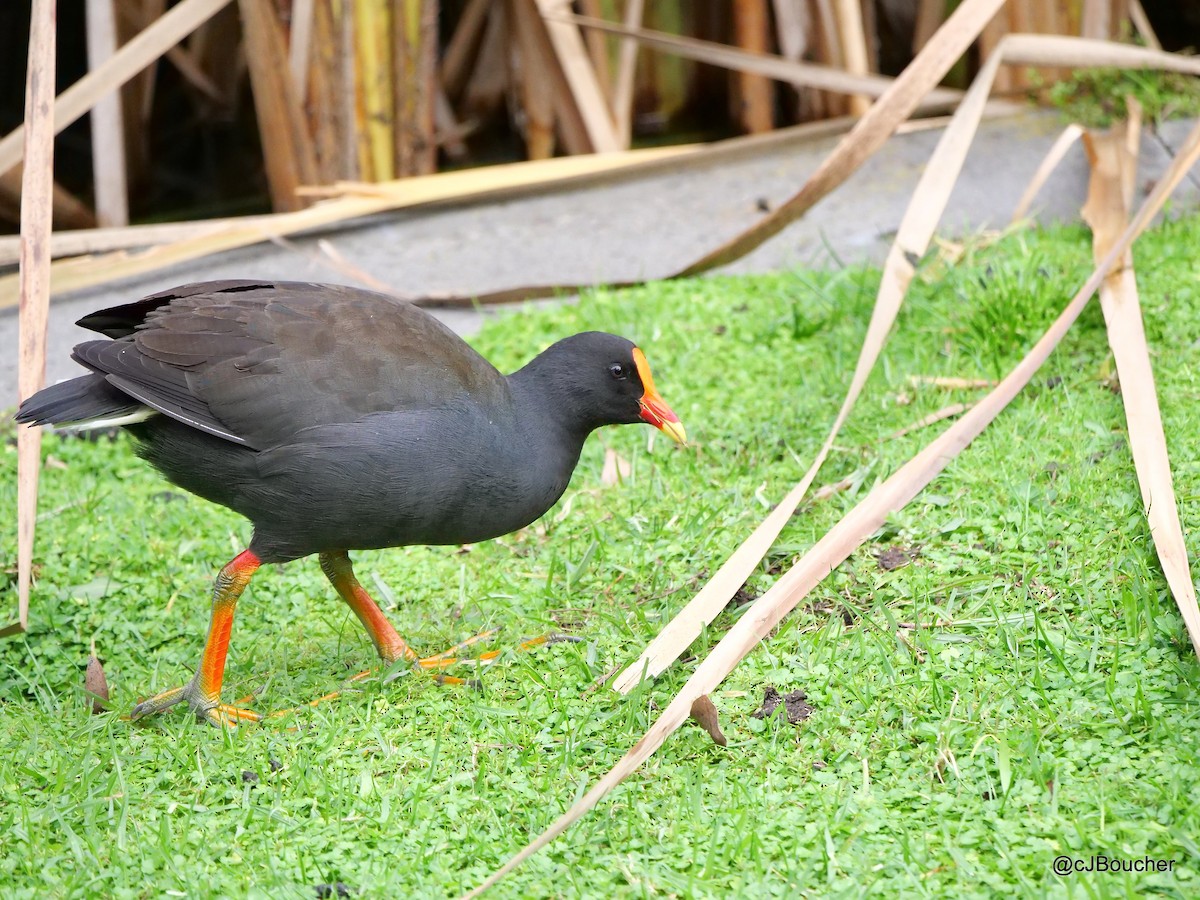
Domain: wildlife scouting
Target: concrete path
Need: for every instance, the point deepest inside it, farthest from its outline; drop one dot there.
(644, 227)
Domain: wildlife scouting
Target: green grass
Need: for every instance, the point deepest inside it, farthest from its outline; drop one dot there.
(1046, 704)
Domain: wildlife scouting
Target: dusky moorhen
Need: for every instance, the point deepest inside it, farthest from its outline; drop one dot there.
(338, 419)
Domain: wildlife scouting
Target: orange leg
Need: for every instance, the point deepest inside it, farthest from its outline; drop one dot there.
(389, 644)
(203, 692)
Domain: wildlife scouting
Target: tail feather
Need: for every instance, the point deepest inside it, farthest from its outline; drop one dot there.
(89, 400)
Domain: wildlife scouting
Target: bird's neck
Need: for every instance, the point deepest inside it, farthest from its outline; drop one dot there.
(548, 414)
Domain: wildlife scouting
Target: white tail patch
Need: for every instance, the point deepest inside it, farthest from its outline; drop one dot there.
(141, 414)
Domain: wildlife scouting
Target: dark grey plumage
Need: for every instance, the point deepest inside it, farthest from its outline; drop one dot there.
(340, 419)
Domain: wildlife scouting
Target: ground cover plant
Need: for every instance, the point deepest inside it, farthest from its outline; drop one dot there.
(998, 679)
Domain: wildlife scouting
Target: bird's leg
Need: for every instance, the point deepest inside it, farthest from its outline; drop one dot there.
(203, 692)
(392, 647)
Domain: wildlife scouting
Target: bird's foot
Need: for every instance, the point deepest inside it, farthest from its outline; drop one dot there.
(207, 708)
(402, 664)
(454, 656)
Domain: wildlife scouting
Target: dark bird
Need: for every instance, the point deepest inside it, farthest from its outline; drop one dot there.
(338, 419)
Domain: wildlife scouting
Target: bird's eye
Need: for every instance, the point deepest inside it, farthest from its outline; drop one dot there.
(618, 371)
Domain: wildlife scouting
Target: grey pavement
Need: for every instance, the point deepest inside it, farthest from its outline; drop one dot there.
(643, 226)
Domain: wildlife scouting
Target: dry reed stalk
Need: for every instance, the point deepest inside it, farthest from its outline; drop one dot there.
(324, 112)
(893, 107)
(930, 14)
(989, 41)
(829, 51)
(131, 19)
(102, 240)
(855, 527)
(218, 51)
(1020, 21)
(912, 240)
(493, 181)
(487, 85)
(1097, 19)
(36, 213)
(792, 21)
(108, 130)
(777, 67)
(1113, 155)
(133, 56)
(287, 149)
(946, 412)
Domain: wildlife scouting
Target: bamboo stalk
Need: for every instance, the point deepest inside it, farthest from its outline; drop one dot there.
(853, 38)
(929, 17)
(597, 47)
(69, 210)
(627, 54)
(287, 149)
(463, 46)
(585, 90)
(134, 55)
(1141, 22)
(376, 104)
(349, 137)
(540, 61)
(1097, 21)
(488, 80)
(752, 95)
(324, 111)
(535, 79)
(415, 85)
(108, 131)
(36, 212)
(300, 45)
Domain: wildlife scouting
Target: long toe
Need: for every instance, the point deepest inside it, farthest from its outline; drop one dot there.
(207, 709)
